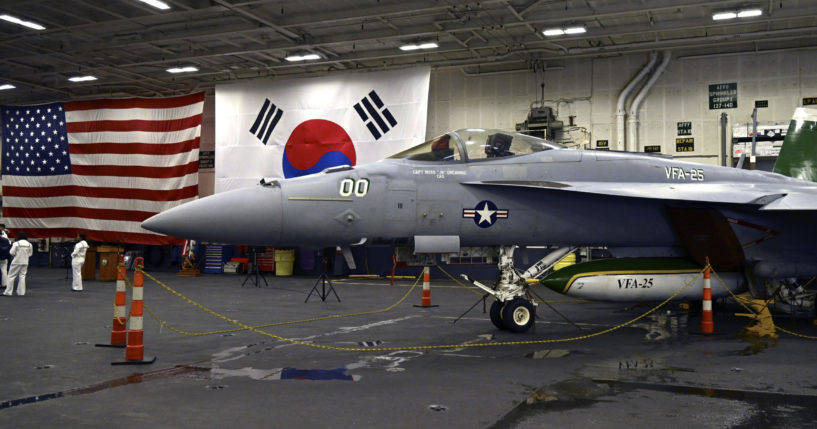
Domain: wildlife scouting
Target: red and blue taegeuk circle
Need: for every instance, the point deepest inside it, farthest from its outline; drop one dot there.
(316, 145)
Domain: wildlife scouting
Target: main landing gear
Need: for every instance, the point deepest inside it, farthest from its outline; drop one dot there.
(514, 309)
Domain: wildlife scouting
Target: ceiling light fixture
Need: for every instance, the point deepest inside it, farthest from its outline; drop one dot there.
(157, 4)
(576, 29)
(18, 21)
(7, 86)
(720, 16)
(748, 13)
(187, 69)
(416, 46)
(732, 14)
(81, 78)
(305, 57)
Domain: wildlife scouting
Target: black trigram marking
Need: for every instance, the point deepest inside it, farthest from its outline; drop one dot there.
(376, 113)
(265, 122)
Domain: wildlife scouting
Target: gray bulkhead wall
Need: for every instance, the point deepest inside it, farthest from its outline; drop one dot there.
(588, 88)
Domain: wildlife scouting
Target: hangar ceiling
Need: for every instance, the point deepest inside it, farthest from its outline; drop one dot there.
(129, 45)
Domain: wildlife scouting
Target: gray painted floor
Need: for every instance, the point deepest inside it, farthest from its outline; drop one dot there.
(657, 374)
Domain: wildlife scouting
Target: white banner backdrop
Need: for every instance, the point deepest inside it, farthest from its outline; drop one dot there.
(292, 127)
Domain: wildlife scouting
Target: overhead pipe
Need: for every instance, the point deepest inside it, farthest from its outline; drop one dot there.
(621, 110)
(632, 119)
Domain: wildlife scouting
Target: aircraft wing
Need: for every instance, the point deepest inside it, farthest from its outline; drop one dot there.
(764, 196)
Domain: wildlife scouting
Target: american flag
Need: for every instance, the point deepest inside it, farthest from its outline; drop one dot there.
(99, 166)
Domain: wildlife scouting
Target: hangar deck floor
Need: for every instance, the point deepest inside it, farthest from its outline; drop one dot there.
(658, 373)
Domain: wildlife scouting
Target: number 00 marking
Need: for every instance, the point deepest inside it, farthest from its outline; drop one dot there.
(359, 187)
(362, 187)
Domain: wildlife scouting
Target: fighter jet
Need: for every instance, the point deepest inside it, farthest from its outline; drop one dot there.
(479, 187)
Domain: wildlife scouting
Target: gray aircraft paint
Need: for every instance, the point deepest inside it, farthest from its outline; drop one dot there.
(554, 196)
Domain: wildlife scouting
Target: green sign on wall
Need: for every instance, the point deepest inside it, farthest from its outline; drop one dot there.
(723, 96)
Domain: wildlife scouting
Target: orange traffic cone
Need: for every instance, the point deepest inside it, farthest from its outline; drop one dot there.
(135, 350)
(707, 325)
(118, 332)
(426, 300)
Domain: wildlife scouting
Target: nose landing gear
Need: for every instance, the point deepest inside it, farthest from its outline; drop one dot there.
(513, 309)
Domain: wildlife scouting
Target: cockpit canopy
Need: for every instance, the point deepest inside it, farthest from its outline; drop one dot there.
(474, 144)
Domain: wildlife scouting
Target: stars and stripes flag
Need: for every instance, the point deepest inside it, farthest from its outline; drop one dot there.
(99, 166)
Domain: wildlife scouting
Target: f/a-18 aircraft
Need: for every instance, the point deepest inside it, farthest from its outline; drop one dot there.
(478, 187)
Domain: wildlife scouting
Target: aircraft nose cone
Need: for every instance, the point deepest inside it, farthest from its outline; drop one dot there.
(251, 216)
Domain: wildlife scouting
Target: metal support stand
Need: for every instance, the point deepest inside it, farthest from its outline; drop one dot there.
(484, 308)
(255, 273)
(113, 346)
(135, 362)
(323, 280)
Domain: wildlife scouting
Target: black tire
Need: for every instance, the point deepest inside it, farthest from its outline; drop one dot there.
(517, 315)
(496, 314)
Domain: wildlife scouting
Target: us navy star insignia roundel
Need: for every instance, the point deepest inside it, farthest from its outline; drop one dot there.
(485, 214)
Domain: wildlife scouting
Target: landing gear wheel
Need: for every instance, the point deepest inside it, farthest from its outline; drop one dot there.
(496, 314)
(517, 315)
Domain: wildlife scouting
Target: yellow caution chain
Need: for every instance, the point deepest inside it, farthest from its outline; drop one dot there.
(257, 330)
(293, 322)
(740, 301)
(470, 289)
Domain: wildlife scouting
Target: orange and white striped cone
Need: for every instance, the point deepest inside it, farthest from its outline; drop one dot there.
(135, 350)
(426, 300)
(119, 334)
(707, 325)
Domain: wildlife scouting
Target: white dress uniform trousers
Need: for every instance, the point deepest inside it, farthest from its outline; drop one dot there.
(77, 259)
(21, 250)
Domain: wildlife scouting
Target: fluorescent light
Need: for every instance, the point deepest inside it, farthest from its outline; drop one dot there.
(724, 15)
(81, 78)
(745, 13)
(157, 4)
(19, 21)
(304, 57)
(748, 13)
(416, 46)
(187, 69)
(7, 86)
(550, 32)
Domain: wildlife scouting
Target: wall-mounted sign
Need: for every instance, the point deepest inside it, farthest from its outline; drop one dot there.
(652, 148)
(684, 128)
(686, 144)
(602, 144)
(207, 159)
(809, 101)
(761, 103)
(723, 96)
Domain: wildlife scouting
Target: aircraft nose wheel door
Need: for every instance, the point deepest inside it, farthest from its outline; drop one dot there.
(517, 315)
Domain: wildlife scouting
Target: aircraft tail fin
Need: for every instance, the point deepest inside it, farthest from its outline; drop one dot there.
(798, 155)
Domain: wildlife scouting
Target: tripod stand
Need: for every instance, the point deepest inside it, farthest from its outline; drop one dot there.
(323, 280)
(255, 273)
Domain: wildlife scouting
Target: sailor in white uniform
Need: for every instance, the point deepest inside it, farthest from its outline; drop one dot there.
(21, 250)
(77, 259)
